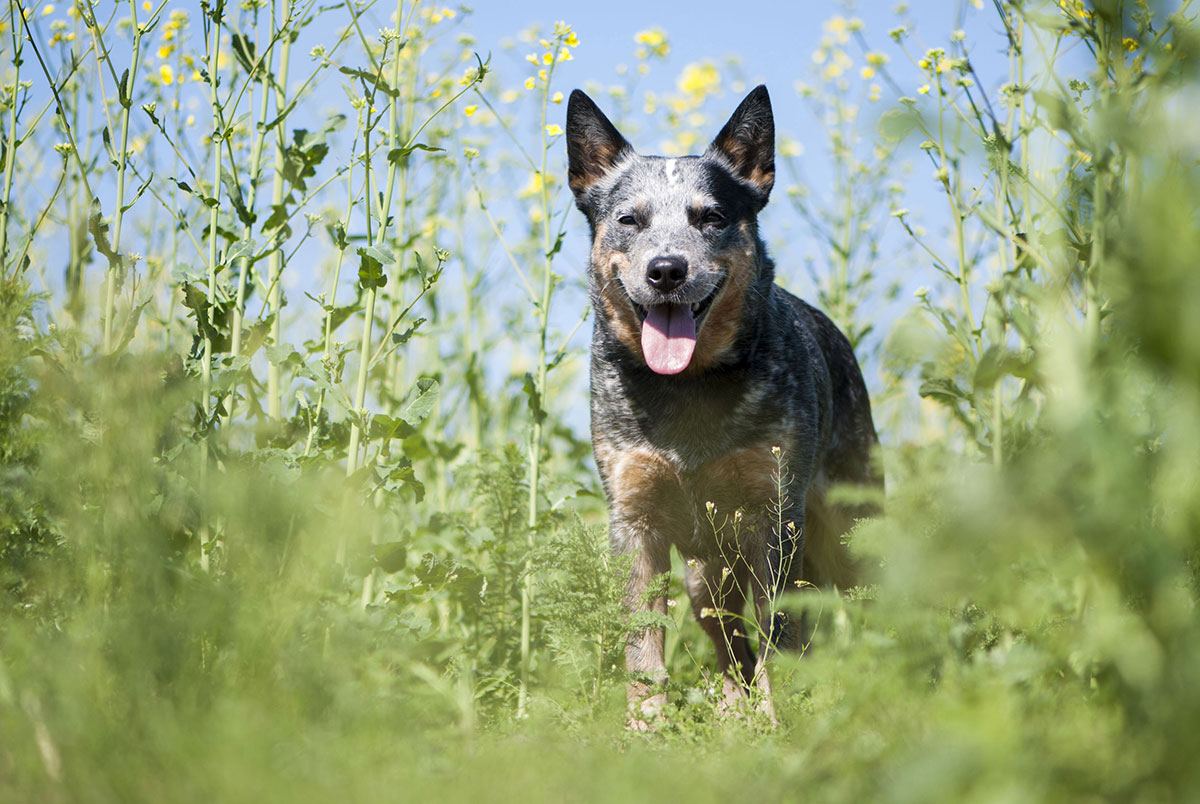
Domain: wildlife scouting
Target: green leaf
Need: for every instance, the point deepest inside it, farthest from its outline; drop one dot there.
(98, 228)
(896, 124)
(401, 338)
(391, 556)
(402, 475)
(420, 401)
(242, 248)
(370, 78)
(399, 156)
(535, 398)
(370, 268)
(243, 48)
(943, 388)
(234, 190)
(138, 194)
(123, 90)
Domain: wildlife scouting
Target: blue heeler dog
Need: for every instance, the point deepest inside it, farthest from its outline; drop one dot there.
(706, 376)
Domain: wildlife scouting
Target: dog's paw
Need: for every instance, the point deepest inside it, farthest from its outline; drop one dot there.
(645, 712)
(638, 724)
(732, 702)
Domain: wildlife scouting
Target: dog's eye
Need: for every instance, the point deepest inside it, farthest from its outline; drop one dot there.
(712, 217)
(627, 220)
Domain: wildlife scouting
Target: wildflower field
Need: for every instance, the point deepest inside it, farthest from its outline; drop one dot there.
(297, 499)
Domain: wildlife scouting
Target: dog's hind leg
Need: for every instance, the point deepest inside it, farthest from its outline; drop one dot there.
(827, 560)
(763, 588)
(718, 593)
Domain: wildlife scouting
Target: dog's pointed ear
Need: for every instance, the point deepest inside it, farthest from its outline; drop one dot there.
(747, 142)
(594, 145)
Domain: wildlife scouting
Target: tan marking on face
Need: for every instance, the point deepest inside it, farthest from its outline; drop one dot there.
(724, 319)
(618, 309)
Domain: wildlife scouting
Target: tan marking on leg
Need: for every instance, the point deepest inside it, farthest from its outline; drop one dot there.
(745, 478)
(649, 510)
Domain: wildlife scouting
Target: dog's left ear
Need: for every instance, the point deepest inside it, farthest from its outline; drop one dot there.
(747, 142)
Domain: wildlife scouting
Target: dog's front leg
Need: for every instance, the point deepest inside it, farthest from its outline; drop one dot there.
(644, 656)
(648, 513)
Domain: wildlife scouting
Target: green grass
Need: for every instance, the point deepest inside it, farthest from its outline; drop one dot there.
(290, 504)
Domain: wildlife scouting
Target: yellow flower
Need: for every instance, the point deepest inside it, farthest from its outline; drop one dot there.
(508, 96)
(652, 38)
(565, 54)
(654, 42)
(1130, 44)
(166, 74)
(542, 74)
(875, 90)
(554, 129)
(47, 9)
(470, 110)
(165, 51)
(867, 72)
(449, 13)
(923, 90)
(572, 40)
(547, 58)
(876, 59)
(530, 83)
(838, 26)
(699, 79)
(532, 187)
(532, 58)
(557, 97)
(147, 5)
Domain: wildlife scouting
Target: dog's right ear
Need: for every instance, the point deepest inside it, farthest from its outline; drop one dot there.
(594, 145)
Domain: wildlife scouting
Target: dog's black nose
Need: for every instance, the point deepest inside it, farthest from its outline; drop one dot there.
(666, 273)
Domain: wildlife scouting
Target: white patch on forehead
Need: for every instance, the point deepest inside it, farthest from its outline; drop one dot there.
(673, 176)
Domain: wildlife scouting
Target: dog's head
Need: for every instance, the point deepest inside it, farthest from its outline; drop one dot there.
(675, 245)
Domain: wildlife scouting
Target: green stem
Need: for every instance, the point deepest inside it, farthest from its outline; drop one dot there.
(11, 144)
(206, 366)
(385, 205)
(125, 96)
(275, 261)
(327, 352)
(256, 151)
(535, 436)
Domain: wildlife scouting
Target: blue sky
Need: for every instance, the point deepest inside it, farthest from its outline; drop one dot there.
(773, 43)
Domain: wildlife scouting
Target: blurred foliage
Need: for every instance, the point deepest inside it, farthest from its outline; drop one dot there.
(202, 602)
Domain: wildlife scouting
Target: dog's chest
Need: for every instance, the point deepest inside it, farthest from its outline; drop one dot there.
(692, 422)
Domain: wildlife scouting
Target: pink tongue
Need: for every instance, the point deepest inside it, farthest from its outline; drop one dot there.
(668, 338)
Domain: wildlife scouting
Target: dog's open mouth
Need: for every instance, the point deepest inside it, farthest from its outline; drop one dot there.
(669, 332)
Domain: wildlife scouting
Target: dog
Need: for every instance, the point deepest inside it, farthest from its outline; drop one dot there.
(723, 408)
